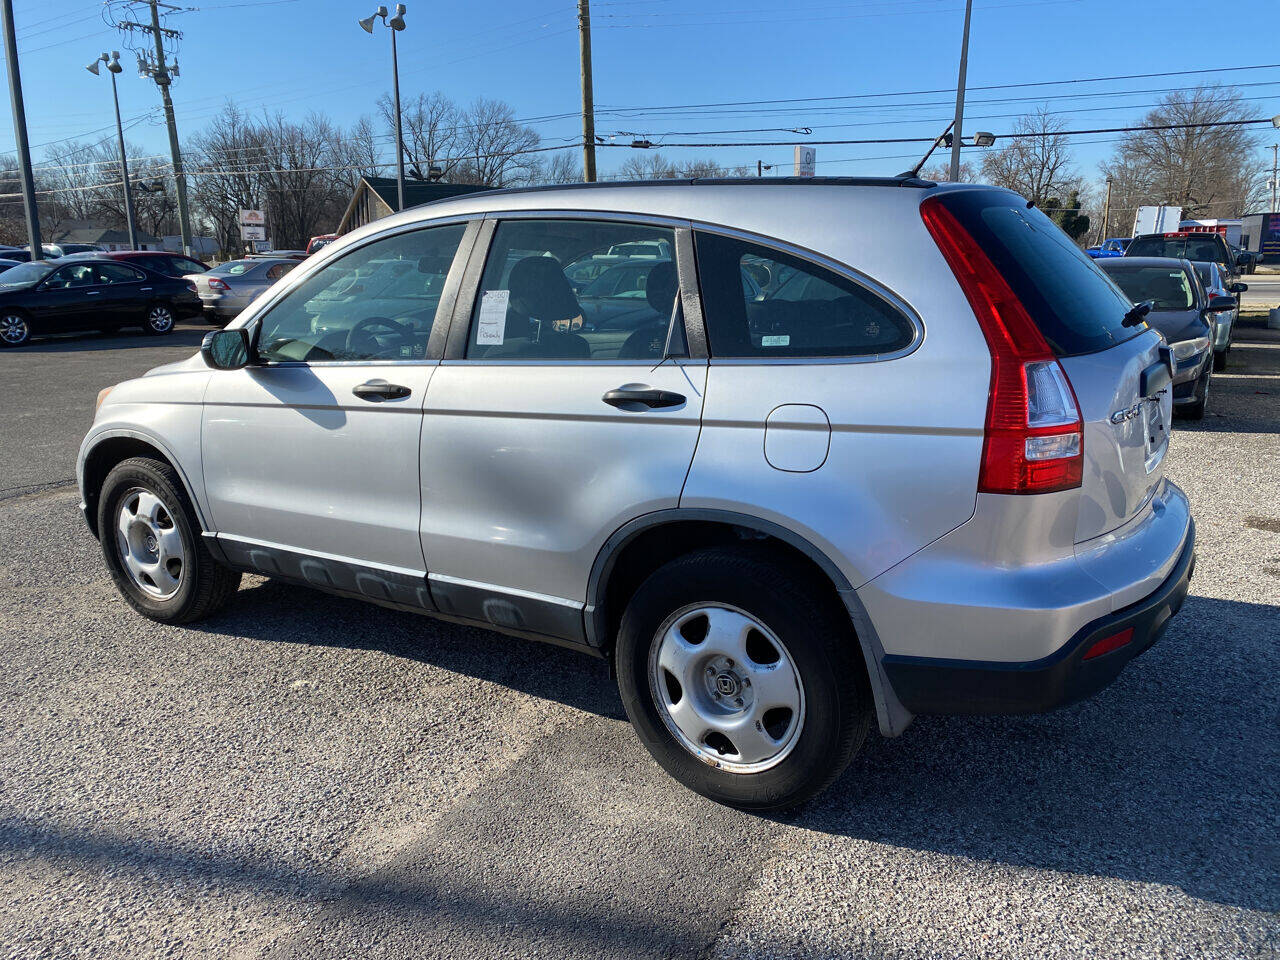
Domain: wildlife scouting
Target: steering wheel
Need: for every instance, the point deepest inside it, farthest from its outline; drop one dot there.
(361, 342)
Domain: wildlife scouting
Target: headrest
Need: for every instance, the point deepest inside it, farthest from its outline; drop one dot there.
(539, 289)
(660, 288)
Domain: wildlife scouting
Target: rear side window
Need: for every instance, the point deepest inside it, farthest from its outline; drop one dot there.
(1169, 287)
(1181, 248)
(1077, 309)
(118, 273)
(762, 302)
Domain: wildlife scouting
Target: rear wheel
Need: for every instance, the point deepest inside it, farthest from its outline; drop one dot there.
(15, 329)
(159, 320)
(742, 679)
(153, 546)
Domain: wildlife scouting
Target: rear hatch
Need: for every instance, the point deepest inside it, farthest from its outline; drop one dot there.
(1118, 373)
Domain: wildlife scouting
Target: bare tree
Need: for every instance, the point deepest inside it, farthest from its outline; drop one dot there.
(1208, 165)
(941, 173)
(1036, 164)
(560, 167)
(492, 148)
(434, 132)
(706, 168)
(647, 166)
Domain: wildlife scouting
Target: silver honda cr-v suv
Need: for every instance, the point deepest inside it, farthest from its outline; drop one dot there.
(791, 454)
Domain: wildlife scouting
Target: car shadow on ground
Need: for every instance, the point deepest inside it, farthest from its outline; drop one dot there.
(184, 334)
(1170, 776)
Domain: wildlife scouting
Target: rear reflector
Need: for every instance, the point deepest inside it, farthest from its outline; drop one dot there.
(1034, 440)
(1107, 644)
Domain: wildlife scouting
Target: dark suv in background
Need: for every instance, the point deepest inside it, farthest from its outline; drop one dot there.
(1188, 246)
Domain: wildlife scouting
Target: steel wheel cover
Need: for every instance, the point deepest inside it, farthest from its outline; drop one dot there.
(149, 544)
(726, 687)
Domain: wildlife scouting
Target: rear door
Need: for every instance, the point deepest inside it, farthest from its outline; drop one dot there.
(1115, 370)
(543, 434)
(126, 291)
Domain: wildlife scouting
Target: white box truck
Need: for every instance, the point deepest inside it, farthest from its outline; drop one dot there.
(1156, 219)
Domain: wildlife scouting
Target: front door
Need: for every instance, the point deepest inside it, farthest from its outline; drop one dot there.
(556, 417)
(70, 299)
(311, 454)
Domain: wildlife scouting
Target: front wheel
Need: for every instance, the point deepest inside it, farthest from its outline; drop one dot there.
(743, 679)
(153, 546)
(159, 320)
(15, 330)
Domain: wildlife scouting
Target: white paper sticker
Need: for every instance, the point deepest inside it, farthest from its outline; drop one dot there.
(783, 340)
(492, 327)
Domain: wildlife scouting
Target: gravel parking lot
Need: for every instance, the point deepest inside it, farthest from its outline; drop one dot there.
(304, 776)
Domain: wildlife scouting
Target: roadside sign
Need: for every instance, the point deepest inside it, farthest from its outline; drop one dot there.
(248, 232)
(806, 160)
(253, 218)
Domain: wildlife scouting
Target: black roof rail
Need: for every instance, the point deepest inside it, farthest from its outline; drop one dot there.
(898, 181)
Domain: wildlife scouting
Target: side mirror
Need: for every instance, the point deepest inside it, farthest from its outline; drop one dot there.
(1218, 304)
(1242, 259)
(227, 349)
(1238, 287)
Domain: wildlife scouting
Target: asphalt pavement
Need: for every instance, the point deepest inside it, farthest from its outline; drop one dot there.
(303, 776)
(1263, 288)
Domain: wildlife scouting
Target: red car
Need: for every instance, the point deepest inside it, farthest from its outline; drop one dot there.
(161, 261)
(320, 242)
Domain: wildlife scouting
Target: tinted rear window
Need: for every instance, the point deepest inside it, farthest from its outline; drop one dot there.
(1169, 287)
(1181, 248)
(1077, 309)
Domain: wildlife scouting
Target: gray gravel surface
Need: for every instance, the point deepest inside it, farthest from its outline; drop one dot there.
(304, 776)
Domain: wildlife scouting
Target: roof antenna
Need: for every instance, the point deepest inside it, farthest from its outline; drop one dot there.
(915, 171)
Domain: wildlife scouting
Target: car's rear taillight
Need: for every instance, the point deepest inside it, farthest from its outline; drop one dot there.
(216, 284)
(191, 286)
(1034, 432)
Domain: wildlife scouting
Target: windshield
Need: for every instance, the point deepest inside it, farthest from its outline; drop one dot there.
(26, 273)
(1189, 248)
(1169, 287)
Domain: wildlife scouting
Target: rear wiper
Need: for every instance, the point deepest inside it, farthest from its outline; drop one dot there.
(1138, 314)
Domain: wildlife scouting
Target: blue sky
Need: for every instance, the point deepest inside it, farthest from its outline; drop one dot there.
(309, 55)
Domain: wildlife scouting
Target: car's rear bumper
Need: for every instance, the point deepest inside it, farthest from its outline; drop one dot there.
(929, 685)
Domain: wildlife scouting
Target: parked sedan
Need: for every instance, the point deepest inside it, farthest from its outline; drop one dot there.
(1183, 312)
(227, 289)
(88, 294)
(1217, 284)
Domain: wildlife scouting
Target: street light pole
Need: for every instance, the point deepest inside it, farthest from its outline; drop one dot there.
(20, 132)
(396, 23)
(113, 67)
(956, 131)
(1275, 168)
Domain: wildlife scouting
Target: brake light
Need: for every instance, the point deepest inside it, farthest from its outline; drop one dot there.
(216, 284)
(1034, 439)
(191, 286)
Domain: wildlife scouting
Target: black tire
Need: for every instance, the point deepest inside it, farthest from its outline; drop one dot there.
(204, 584)
(160, 319)
(15, 328)
(1220, 359)
(819, 639)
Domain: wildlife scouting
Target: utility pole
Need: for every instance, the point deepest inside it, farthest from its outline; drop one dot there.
(1106, 214)
(956, 132)
(160, 72)
(588, 97)
(1275, 168)
(20, 132)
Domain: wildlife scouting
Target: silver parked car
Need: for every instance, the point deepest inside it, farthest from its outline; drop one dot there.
(861, 449)
(230, 287)
(1216, 283)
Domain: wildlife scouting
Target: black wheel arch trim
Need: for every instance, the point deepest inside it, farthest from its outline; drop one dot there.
(893, 718)
(86, 454)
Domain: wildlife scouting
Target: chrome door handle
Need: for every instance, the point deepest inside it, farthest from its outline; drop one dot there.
(376, 391)
(93, 293)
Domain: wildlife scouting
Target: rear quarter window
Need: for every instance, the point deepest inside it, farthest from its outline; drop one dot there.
(1075, 306)
(763, 302)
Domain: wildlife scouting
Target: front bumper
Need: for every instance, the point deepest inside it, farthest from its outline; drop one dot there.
(1187, 375)
(926, 685)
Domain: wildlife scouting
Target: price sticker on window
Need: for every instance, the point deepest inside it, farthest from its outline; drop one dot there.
(491, 329)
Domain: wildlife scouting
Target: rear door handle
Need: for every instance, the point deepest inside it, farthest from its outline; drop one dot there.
(634, 397)
(375, 391)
